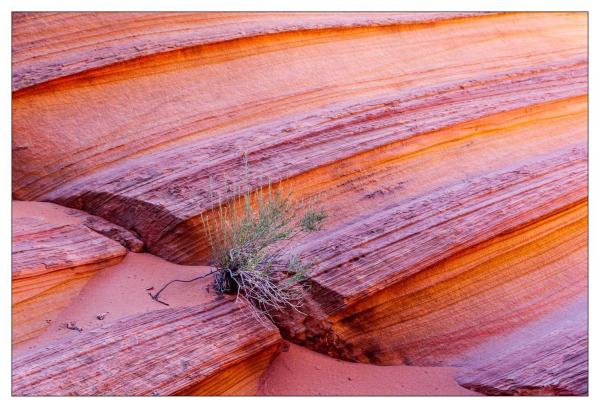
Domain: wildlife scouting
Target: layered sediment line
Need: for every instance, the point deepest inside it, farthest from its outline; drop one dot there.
(71, 129)
(549, 357)
(167, 191)
(47, 46)
(441, 313)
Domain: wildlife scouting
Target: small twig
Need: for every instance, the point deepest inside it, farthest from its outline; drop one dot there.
(155, 296)
(158, 300)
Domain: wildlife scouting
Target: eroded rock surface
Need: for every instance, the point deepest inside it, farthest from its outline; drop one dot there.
(60, 215)
(548, 358)
(115, 232)
(312, 108)
(211, 349)
(73, 37)
(438, 313)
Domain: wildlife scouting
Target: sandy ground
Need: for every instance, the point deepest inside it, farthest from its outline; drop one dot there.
(122, 290)
(50, 212)
(299, 371)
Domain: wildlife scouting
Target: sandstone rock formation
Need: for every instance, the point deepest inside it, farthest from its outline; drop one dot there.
(189, 350)
(124, 237)
(449, 149)
(549, 357)
(51, 262)
(434, 315)
(73, 38)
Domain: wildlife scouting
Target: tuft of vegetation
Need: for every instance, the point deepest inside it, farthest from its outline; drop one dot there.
(249, 237)
(248, 241)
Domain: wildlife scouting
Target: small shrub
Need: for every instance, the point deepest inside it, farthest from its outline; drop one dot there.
(248, 243)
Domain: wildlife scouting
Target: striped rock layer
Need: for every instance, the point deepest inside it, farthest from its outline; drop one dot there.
(552, 355)
(48, 46)
(186, 350)
(450, 151)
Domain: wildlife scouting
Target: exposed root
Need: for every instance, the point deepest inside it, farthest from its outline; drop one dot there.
(157, 294)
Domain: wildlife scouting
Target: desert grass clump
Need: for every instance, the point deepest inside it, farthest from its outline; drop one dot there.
(248, 239)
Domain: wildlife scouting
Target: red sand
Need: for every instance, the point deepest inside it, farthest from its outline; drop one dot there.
(300, 371)
(120, 290)
(50, 212)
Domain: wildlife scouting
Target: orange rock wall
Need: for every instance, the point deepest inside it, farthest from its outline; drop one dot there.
(73, 38)
(437, 315)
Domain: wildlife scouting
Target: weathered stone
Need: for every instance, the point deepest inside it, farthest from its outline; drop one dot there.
(547, 358)
(124, 237)
(142, 34)
(212, 349)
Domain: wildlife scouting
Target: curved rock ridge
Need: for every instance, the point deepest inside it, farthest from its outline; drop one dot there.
(292, 83)
(47, 46)
(184, 350)
(53, 213)
(161, 195)
(549, 358)
(424, 231)
(438, 315)
(51, 262)
(410, 241)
